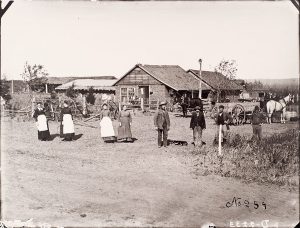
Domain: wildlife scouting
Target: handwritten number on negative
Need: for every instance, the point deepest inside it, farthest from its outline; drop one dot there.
(237, 203)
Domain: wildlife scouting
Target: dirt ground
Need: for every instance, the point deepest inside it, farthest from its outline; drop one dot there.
(89, 183)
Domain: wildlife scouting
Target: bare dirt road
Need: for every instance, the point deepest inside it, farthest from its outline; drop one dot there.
(89, 183)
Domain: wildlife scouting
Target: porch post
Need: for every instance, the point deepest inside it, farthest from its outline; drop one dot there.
(200, 82)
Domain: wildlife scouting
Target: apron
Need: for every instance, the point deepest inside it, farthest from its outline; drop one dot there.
(42, 123)
(68, 125)
(107, 129)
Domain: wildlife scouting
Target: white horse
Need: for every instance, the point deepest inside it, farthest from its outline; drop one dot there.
(275, 106)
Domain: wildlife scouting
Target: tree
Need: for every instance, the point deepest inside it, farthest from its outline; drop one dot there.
(5, 89)
(70, 92)
(228, 68)
(91, 97)
(35, 76)
(250, 86)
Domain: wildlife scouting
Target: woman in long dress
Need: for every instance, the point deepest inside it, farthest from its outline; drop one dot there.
(41, 123)
(106, 126)
(124, 130)
(67, 123)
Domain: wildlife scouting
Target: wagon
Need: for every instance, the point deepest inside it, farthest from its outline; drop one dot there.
(240, 112)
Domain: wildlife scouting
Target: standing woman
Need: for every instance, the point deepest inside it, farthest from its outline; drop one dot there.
(41, 123)
(106, 126)
(125, 120)
(67, 123)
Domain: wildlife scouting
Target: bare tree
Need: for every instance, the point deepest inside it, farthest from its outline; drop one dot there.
(228, 68)
(35, 76)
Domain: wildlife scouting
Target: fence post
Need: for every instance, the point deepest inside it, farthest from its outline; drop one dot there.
(32, 106)
(84, 111)
(142, 104)
(220, 139)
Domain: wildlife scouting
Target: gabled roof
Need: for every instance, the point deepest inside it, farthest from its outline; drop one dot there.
(62, 80)
(217, 80)
(86, 84)
(172, 76)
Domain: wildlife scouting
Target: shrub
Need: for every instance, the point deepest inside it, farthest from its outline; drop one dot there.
(273, 160)
(90, 98)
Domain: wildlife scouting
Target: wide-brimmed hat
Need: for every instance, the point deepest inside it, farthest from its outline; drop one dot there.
(197, 108)
(162, 103)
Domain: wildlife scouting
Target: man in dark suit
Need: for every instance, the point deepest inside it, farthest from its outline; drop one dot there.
(198, 125)
(162, 124)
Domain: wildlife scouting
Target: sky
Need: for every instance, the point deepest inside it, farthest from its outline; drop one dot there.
(88, 38)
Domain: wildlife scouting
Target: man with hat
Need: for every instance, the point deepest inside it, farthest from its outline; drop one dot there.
(198, 125)
(222, 119)
(162, 124)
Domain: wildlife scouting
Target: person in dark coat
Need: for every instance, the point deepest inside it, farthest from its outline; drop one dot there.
(184, 106)
(197, 124)
(257, 120)
(41, 122)
(184, 109)
(162, 124)
(222, 119)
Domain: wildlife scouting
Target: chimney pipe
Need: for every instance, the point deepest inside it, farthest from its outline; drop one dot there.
(200, 82)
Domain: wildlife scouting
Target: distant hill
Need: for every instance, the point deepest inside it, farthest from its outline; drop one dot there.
(277, 82)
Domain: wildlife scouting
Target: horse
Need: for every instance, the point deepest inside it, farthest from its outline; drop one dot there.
(279, 106)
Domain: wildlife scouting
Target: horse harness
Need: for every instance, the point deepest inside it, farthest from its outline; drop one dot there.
(282, 102)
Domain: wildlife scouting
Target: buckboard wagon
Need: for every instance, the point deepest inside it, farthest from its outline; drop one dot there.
(240, 112)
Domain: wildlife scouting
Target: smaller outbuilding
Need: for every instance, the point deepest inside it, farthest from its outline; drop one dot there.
(84, 85)
(216, 83)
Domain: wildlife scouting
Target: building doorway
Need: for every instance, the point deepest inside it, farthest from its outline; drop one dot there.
(144, 93)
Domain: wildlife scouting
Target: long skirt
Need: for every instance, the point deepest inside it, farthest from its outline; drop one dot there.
(43, 135)
(106, 129)
(124, 131)
(68, 127)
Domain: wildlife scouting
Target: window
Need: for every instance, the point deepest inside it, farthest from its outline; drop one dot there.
(127, 94)
(123, 94)
(130, 94)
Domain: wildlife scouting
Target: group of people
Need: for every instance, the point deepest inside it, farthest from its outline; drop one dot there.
(124, 128)
(161, 123)
(198, 124)
(42, 115)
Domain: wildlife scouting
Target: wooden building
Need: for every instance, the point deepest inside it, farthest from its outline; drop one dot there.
(149, 84)
(216, 83)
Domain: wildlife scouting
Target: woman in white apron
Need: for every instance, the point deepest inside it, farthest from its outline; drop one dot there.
(106, 126)
(41, 123)
(67, 123)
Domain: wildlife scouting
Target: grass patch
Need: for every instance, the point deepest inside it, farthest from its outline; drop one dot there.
(273, 160)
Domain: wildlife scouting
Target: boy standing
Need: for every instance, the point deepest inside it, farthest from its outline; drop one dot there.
(256, 121)
(222, 119)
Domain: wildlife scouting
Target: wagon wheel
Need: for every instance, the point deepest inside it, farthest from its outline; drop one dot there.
(238, 115)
